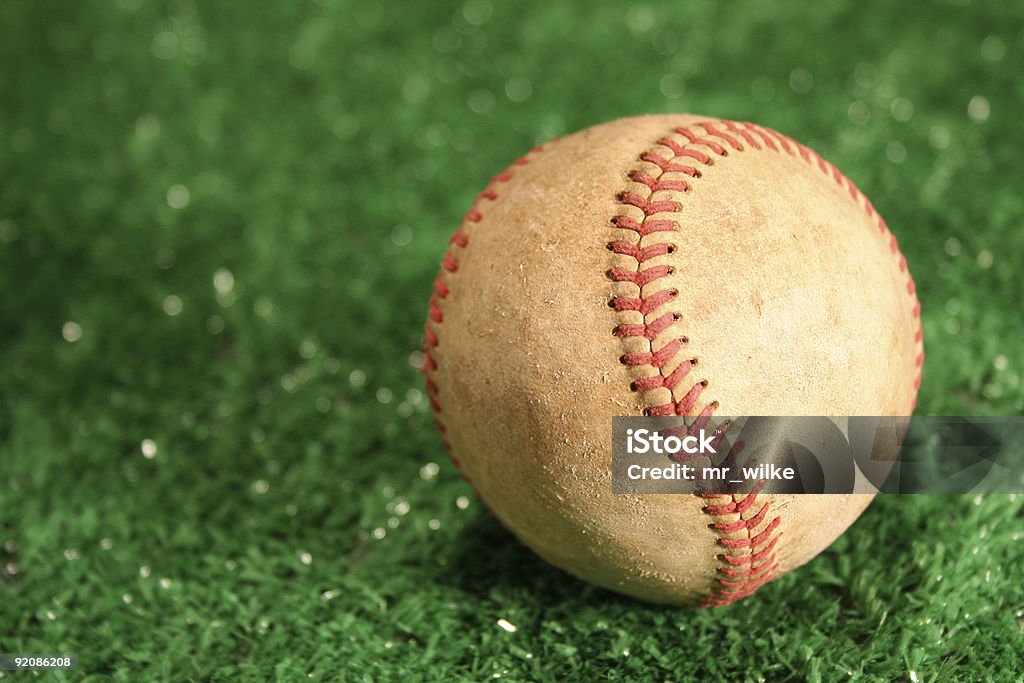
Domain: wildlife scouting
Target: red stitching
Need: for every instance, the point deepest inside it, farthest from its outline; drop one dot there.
(657, 359)
(752, 541)
(648, 330)
(668, 167)
(753, 558)
(450, 265)
(641, 254)
(751, 562)
(739, 525)
(655, 185)
(646, 227)
(745, 573)
(640, 277)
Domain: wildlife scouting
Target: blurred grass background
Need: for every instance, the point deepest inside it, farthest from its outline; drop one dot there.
(219, 223)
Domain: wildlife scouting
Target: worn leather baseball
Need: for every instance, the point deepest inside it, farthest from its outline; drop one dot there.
(673, 265)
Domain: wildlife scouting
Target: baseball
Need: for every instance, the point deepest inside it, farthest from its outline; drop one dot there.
(663, 265)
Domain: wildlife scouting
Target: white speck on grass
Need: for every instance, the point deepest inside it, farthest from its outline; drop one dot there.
(518, 88)
(477, 12)
(985, 259)
(223, 280)
(439, 134)
(401, 235)
(147, 126)
(149, 449)
(640, 19)
(938, 137)
(71, 554)
(865, 75)
(901, 109)
(887, 86)
(953, 246)
(260, 486)
(263, 307)
(672, 86)
(144, 571)
(978, 108)
(357, 378)
(379, 533)
(434, 524)
(415, 90)
(71, 331)
(345, 127)
(993, 48)
(481, 101)
(507, 625)
(306, 559)
(462, 502)
(172, 305)
(384, 395)
(178, 197)
(801, 80)
(858, 112)
(1000, 362)
(226, 299)
(165, 583)
(165, 45)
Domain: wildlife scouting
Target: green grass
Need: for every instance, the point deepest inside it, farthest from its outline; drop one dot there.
(286, 175)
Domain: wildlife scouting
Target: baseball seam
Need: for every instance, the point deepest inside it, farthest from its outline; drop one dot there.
(747, 562)
(450, 265)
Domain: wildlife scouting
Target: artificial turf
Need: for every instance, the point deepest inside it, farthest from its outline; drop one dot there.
(219, 223)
